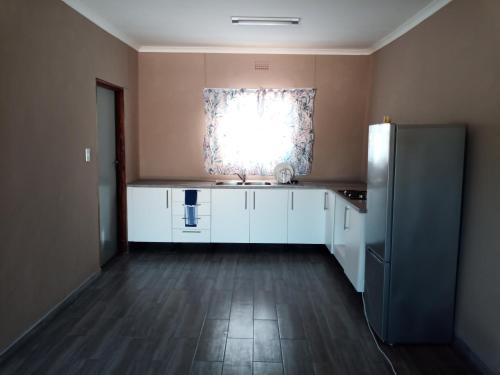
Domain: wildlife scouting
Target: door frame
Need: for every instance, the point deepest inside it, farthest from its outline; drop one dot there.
(121, 178)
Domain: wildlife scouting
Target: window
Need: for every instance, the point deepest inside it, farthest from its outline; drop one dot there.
(252, 130)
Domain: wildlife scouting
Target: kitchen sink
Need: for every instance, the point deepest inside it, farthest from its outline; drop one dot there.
(240, 183)
(258, 183)
(229, 183)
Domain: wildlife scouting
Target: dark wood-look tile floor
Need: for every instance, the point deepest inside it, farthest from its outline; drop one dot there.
(217, 309)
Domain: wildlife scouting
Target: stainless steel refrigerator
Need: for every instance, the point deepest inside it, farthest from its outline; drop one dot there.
(413, 221)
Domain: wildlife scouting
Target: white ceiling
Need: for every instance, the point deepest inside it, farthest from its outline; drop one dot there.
(327, 26)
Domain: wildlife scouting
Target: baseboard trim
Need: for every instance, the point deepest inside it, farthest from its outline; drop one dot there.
(45, 319)
(461, 346)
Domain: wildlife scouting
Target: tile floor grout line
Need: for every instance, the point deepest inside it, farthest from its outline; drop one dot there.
(279, 337)
(199, 338)
(228, 324)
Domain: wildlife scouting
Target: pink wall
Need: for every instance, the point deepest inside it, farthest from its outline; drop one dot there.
(171, 107)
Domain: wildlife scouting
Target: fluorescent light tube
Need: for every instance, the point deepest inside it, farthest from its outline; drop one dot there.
(265, 21)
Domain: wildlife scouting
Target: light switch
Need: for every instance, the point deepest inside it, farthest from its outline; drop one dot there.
(87, 155)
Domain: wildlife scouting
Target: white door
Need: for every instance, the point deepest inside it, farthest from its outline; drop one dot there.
(230, 215)
(268, 215)
(329, 220)
(149, 214)
(306, 216)
(108, 201)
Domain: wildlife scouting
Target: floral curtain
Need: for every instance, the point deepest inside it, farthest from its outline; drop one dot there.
(252, 130)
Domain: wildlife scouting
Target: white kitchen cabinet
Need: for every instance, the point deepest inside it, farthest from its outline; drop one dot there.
(198, 233)
(179, 222)
(329, 219)
(191, 235)
(354, 265)
(349, 242)
(230, 215)
(179, 210)
(306, 216)
(268, 215)
(339, 230)
(149, 212)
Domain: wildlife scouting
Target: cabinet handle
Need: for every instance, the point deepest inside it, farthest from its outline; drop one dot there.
(292, 200)
(167, 199)
(254, 200)
(347, 218)
(325, 207)
(246, 200)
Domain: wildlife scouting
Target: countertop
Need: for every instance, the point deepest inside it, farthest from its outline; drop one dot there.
(333, 186)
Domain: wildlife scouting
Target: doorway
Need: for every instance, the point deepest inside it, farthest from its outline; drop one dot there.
(111, 170)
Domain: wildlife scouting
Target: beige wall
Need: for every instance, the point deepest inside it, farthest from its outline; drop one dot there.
(448, 70)
(171, 107)
(50, 58)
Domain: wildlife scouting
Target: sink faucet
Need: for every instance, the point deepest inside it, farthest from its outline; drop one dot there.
(243, 177)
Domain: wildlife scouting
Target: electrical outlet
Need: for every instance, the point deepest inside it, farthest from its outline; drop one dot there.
(87, 155)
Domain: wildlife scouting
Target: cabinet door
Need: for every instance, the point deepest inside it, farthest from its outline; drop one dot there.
(341, 227)
(268, 216)
(349, 242)
(306, 216)
(149, 214)
(329, 220)
(354, 261)
(230, 215)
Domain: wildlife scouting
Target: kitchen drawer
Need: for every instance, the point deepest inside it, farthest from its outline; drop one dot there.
(178, 222)
(191, 235)
(203, 195)
(178, 208)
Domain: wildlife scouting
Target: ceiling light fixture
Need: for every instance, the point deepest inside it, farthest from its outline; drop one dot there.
(265, 21)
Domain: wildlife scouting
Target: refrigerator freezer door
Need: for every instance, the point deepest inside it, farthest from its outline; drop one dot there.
(376, 293)
(380, 179)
